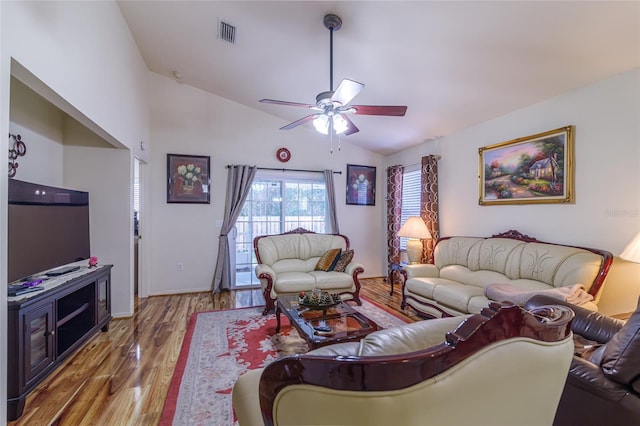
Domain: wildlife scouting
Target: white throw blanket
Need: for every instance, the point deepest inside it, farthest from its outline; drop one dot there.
(575, 294)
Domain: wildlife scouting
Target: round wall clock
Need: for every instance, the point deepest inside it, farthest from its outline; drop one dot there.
(283, 155)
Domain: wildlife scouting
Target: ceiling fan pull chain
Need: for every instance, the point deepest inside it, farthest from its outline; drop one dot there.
(331, 136)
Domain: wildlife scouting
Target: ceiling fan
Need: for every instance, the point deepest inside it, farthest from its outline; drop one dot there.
(333, 106)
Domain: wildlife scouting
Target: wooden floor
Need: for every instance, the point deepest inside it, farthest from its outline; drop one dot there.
(121, 377)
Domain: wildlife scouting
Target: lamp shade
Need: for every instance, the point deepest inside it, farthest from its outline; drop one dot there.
(414, 227)
(632, 251)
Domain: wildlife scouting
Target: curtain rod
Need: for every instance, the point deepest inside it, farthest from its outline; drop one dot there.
(438, 157)
(288, 170)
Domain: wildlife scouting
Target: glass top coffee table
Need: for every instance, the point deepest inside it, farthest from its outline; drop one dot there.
(320, 327)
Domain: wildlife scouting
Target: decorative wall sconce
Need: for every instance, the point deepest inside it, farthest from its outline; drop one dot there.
(17, 149)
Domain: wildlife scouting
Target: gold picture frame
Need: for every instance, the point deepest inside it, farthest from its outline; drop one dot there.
(535, 169)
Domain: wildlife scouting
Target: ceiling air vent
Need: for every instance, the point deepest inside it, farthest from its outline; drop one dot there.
(226, 31)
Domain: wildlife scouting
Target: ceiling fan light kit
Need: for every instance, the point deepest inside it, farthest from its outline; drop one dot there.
(325, 123)
(332, 106)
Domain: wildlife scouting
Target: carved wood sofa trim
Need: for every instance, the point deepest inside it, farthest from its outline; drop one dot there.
(497, 322)
(607, 257)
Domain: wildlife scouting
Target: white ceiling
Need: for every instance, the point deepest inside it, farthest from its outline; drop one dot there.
(454, 64)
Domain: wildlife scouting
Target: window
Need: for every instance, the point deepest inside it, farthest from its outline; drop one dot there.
(410, 197)
(277, 204)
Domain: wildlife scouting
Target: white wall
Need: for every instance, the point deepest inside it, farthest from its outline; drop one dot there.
(39, 124)
(185, 120)
(606, 212)
(85, 61)
(106, 173)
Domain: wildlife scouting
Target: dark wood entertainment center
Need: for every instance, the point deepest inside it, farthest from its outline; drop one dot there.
(48, 326)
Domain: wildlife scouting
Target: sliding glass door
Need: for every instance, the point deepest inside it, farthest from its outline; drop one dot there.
(277, 204)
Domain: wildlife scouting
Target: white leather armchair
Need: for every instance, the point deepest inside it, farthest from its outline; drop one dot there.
(503, 366)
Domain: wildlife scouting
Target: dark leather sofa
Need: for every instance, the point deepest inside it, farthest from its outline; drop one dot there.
(603, 383)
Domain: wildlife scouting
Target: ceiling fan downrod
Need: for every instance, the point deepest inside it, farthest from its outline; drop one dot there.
(332, 23)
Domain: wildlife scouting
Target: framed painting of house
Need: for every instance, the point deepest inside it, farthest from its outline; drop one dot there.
(188, 178)
(529, 170)
(361, 185)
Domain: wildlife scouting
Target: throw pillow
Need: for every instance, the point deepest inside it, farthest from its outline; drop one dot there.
(327, 259)
(345, 259)
(335, 261)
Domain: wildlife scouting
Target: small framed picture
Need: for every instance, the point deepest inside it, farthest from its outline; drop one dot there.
(529, 170)
(361, 185)
(188, 178)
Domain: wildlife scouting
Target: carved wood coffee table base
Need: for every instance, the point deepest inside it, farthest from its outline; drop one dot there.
(340, 323)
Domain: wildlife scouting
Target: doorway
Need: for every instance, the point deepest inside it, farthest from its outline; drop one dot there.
(136, 225)
(140, 246)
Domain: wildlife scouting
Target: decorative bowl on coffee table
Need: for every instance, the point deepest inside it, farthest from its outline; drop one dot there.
(318, 300)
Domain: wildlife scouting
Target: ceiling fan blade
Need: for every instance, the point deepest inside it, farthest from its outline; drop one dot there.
(299, 122)
(287, 103)
(351, 128)
(393, 110)
(346, 91)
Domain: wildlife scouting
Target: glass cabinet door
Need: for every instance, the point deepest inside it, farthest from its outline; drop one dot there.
(38, 340)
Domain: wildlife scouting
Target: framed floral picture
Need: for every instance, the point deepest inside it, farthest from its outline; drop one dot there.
(361, 185)
(534, 169)
(188, 178)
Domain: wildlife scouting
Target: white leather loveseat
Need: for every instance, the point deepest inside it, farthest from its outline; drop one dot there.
(467, 269)
(287, 264)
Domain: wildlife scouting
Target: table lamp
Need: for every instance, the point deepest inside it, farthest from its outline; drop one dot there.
(415, 230)
(632, 251)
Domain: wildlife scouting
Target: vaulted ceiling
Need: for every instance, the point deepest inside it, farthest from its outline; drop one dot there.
(453, 63)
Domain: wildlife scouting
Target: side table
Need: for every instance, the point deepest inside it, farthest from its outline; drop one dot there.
(394, 269)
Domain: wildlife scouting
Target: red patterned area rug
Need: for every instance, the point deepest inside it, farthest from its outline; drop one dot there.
(219, 346)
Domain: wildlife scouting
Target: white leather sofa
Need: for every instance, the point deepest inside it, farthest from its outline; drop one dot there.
(504, 366)
(466, 266)
(286, 264)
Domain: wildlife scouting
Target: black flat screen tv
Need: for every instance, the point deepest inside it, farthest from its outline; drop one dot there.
(48, 228)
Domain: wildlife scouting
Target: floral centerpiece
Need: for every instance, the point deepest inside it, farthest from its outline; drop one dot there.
(190, 174)
(318, 299)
